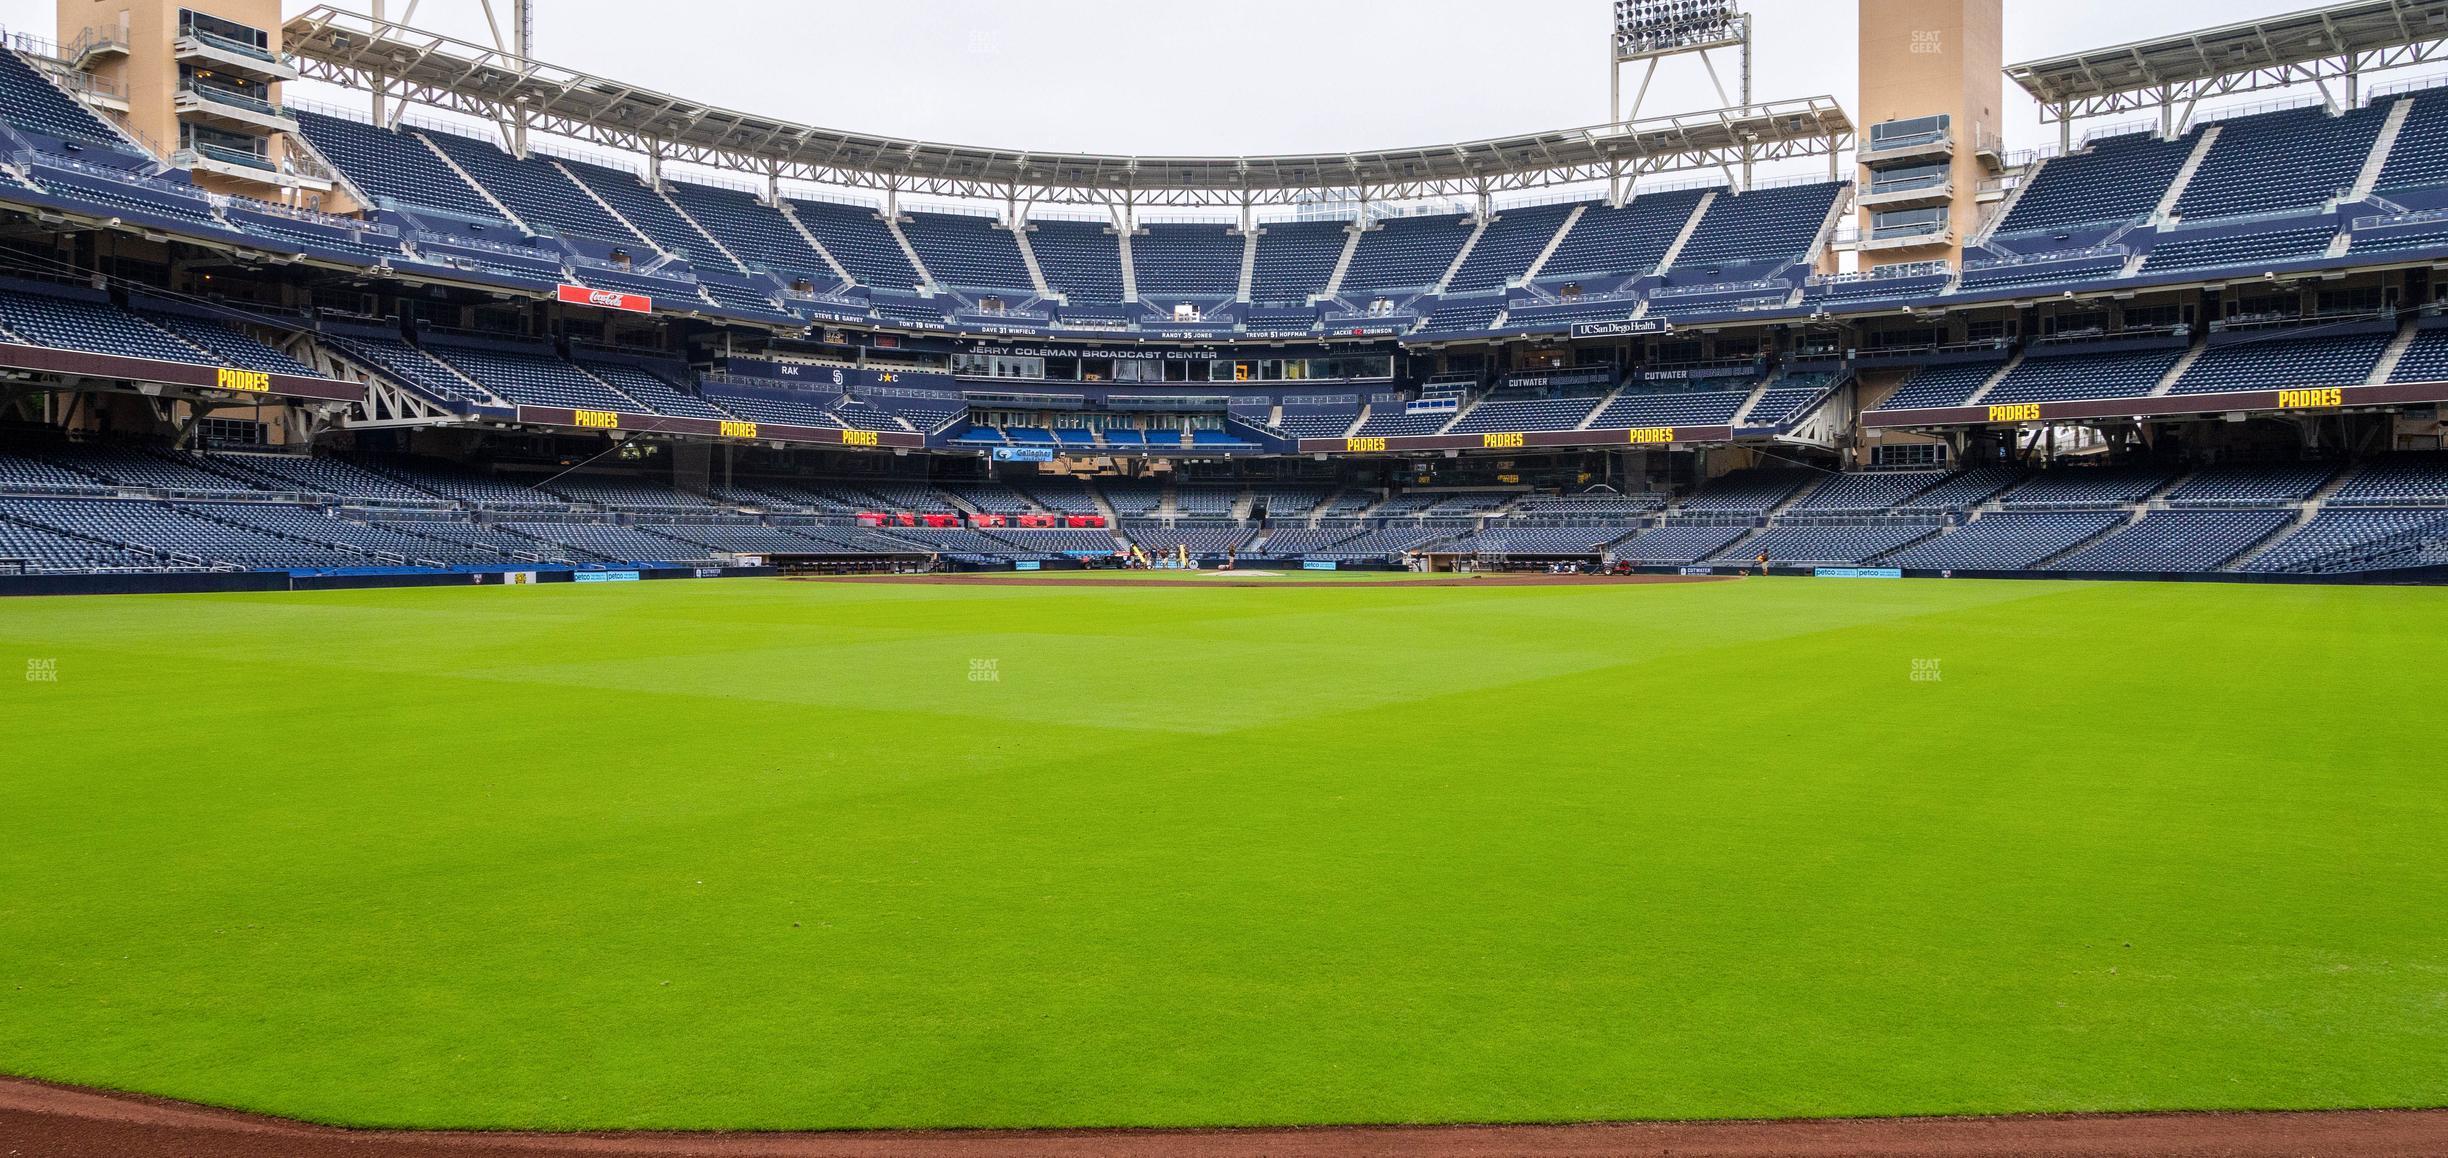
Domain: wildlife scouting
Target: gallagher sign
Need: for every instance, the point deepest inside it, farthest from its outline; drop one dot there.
(578, 295)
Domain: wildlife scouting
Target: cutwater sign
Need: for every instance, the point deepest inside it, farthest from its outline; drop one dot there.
(605, 577)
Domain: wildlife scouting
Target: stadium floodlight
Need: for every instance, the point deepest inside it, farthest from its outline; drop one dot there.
(1647, 28)
(1650, 31)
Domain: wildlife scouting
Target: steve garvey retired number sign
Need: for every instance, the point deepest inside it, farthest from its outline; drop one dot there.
(578, 295)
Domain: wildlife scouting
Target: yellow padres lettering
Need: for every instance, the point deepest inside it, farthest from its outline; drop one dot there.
(860, 438)
(1500, 441)
(736, 429)
(2015, 412)
(1649, 435)
(594, 419)
(2309, 399)
(249, 381)
(1364, 445)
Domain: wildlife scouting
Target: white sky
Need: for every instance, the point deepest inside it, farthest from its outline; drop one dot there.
(1253, 76)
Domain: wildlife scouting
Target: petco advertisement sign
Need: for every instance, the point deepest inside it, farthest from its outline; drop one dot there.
(578, 295)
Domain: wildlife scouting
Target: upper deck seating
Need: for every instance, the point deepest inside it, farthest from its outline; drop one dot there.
(1507, 247)
(533, 189)
(2110, 180)
(35, 105)
(1294, 260)
(753, 231)
(857, 237)
(1405, 253)
(1763, 225)
(2290, 159)
(1080, 259)
(1625, 242)
(386, 163)
(1187, 259)
(969, 252)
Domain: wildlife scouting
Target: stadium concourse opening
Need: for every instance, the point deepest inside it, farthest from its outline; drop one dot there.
(1471, 439)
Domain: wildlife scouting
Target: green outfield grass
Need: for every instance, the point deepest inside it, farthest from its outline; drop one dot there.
(773, 854)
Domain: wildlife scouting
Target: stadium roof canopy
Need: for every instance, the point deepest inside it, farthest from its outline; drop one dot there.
(412, 66)
(2340, 42)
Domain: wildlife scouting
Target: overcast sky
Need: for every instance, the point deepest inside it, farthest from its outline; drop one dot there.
(1162, 76)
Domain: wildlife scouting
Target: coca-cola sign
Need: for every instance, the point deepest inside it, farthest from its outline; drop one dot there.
(578, 295)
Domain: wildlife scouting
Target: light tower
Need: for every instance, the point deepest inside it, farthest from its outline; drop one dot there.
(1649, 32)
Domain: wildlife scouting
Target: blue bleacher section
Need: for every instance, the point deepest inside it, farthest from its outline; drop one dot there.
(1866, 491)
(1526, 414)
(753, 231)
(1634, 408)
(1623, 242)
(1081, 259)
(2251, 485)
(2098, 374)
(1764, 225)
(2419, 157)
(646, 209)
(2277, 361)
(2093, 486)
(1677, 543)
(2334, 537)
(92, 325)
(2410, 479)
(1752, 491)
(2007, 541)
(2426, 358)
(969, 252)
(409, 366)
(1807, 544)
(1187, 259)
(533, 379)
(2180, 251)
(857, 237)
(1403, 253)
(1463, 315)
(1294, 260)
(2176, 541)
(229, 343)
(392, 165)
(1508, 246)
(533, 189)
(109, 506)
(37, 106)
(2114, 179)
(2290, 159)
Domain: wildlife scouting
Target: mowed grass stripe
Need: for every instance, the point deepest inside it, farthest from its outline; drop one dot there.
(1722, 858)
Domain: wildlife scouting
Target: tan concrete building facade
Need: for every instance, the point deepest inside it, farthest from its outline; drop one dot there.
(1924, 59)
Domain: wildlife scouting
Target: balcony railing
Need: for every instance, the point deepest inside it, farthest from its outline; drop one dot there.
(1909, 184)
(227, 44)
(219, 94)
(225, 155)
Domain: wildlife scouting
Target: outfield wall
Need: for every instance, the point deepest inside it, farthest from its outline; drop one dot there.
(199, 582)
